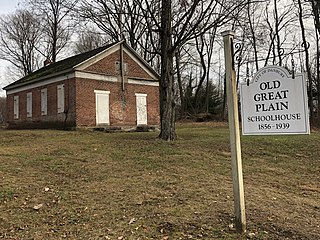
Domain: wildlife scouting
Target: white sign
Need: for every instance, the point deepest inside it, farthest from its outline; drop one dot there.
(274, 103)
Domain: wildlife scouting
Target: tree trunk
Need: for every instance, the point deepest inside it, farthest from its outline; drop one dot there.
(318, 77)
(305, 45)
(254, 40)
(315, 10)
(277, 32)
(223, 109)
(167, 102)
(181, 93)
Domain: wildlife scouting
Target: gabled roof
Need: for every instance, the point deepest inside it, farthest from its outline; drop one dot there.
(66, 65)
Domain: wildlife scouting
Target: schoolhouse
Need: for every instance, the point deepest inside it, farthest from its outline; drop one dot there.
(108, 86)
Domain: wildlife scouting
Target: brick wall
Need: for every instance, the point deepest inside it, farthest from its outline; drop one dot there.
(80, 102)
(122, 108)
(52, 119)
(108, 66)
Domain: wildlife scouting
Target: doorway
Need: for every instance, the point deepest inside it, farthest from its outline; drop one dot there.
(141, 101)
(102, 107)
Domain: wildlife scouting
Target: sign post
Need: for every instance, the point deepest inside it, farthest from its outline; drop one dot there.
(233, 119)
(275, 102)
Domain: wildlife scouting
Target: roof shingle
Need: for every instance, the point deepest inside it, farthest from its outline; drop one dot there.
(60, 66)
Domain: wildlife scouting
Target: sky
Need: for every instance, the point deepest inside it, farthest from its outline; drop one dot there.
(7, 6)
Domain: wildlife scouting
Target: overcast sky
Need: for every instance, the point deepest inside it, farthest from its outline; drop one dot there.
(7, 6)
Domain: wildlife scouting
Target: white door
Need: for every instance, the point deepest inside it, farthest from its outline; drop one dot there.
(141, 100)
(102, 107)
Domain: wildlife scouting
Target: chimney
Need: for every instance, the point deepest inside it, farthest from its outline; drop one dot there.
(47, 62)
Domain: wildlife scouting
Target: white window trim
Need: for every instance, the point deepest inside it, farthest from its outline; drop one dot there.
(141, 94)
(101, 91)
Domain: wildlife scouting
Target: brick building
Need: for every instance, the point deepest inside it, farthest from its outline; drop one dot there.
(86, 90)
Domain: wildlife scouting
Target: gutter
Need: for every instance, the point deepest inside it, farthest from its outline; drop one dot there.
(13, 86)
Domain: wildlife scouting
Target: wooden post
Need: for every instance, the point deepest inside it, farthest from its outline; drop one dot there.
(233, 118)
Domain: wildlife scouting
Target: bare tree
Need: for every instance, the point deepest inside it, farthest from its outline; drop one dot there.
(316, 13)
(116, 18)
(88, 39)
(192, 16)
(3, 110)
(205, 47)
(20, 37)
(307, 63)
(56, 24)
(315, 6)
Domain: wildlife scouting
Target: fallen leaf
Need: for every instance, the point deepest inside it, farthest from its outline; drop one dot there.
(231, 226)
(251, 235)
(38, 206)
(132, 221)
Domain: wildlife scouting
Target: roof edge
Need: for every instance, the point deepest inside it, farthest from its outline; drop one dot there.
(10, 86)
(142, 60)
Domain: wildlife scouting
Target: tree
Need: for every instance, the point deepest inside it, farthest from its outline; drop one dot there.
(87, 40)
(116, 18)
(20, 37)
(191, 20)
(56, 24)
(167, 103)
(205, 47)
(315, 5)
(3, 110)
(307, 63)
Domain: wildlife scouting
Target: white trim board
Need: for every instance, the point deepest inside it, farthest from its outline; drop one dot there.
(143, 82)
(40, 83)
(95, 76)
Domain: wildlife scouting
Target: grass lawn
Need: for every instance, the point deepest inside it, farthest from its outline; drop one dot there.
(95, 185)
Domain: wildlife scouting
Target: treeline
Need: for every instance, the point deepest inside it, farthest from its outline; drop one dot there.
(272, 32)
(3, 110)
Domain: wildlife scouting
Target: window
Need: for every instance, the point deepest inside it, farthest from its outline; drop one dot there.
(29, 104)
(125, 67)
(44, 103)
(60, 98)
(16, 107)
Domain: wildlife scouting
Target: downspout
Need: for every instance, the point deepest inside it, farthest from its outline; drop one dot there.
(66, 110)
(121, 45)
(121, 67)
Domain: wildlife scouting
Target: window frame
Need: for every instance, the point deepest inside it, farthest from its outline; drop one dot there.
(16, 107)
(44, 102)
(60, 98)
(29, 105)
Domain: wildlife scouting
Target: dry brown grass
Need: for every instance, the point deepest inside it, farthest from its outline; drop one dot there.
(94, 185)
